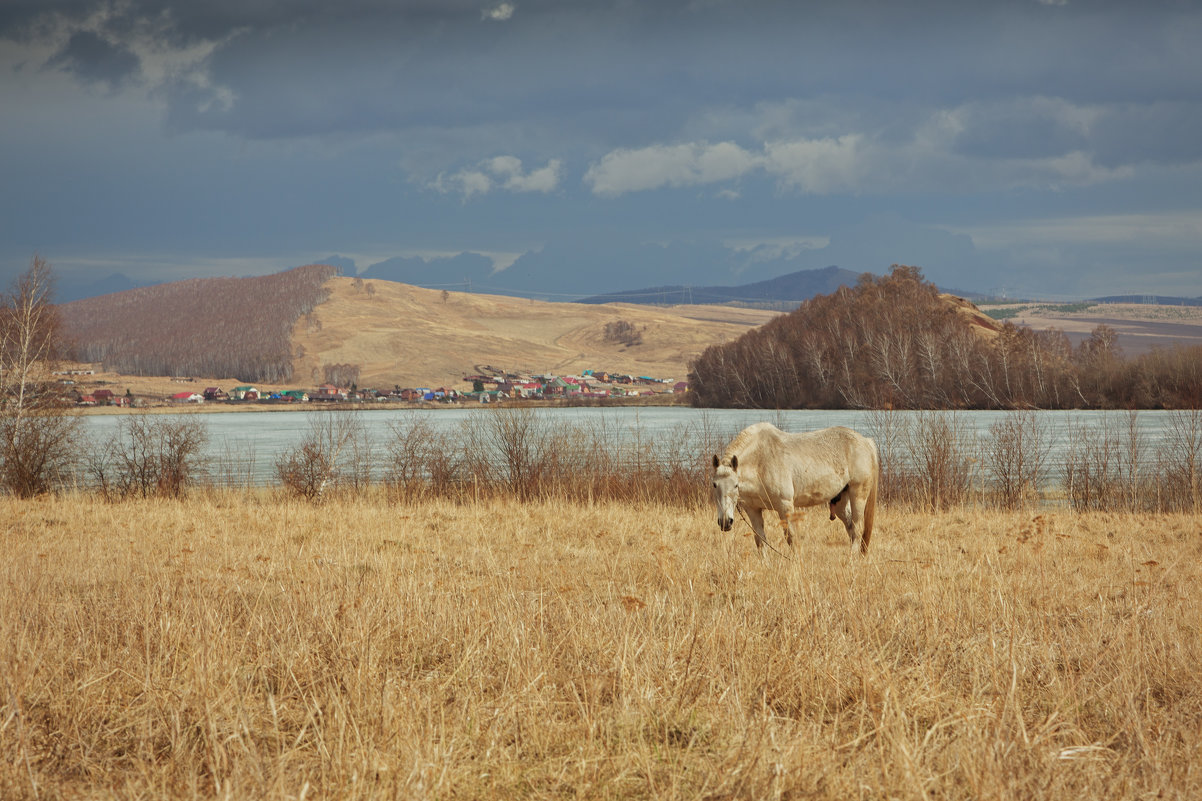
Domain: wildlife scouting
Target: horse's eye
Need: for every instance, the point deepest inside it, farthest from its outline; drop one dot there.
(715, 485)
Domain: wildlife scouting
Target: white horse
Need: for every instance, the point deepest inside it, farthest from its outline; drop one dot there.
(766, 468)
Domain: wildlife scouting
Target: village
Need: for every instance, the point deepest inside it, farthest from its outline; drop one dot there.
(486, 385)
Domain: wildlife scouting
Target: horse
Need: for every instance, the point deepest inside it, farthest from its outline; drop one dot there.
(766, 468)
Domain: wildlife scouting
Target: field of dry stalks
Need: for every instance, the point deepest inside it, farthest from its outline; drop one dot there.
(236, 645)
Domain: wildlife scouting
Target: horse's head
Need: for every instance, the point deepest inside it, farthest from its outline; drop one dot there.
(726, 490)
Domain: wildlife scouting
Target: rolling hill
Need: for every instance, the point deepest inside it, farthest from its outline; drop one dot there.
(288, 328)
(402, 334)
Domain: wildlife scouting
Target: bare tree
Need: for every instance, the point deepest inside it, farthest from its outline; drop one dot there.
(37, 427)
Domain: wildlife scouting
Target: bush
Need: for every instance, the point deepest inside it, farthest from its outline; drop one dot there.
(149, 455)
(1016, 456)
(333, 454)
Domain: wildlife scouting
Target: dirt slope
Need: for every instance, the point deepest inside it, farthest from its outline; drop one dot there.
(403, 335)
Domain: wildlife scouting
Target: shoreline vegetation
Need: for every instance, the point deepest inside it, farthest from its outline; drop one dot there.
(244, 644)
(930, 461)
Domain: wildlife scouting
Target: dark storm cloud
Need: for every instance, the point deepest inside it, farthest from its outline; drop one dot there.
(634, 73)
(92, 59)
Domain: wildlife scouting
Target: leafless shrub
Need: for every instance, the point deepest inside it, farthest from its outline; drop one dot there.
(1131, 475)
(39, 451)
(422, 460)
(1091, 468)
(147, 456)
(932, 463)
(1105, 466)
(1016, 457)
(317, 463)
(508, 447)
(1180, 462)
(888, 428)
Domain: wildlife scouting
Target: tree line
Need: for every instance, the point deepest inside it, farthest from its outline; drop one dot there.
(239, 327)
(895, 341)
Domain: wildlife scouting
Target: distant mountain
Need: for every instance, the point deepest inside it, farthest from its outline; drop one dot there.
(1151, 300)
(783, 292)
(345, 264)
(117, 282)
(457, 272)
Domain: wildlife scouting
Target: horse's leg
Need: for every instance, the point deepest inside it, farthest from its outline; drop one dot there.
(756, 518)
(841, 509)
(853, 516)
(788, 518)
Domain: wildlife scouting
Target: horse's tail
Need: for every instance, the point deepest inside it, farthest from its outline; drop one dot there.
(870, 505)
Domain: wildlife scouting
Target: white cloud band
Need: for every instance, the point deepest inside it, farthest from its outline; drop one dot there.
(500, 173)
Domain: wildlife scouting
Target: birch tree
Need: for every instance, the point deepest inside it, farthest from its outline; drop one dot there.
(37, 427)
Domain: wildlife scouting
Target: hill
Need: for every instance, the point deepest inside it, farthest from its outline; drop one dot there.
(401, 334)
(783, 293)
(200, 327)
(897, 342)
(295, 327)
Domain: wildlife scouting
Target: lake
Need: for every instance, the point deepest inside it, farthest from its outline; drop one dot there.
(244, 446)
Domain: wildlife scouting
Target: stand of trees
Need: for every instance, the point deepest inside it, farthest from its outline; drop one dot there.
(240, 327)
(896, 342)
(37, 428)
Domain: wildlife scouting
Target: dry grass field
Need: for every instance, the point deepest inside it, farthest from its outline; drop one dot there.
(245, 645)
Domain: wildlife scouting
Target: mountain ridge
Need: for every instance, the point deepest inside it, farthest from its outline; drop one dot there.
(781, 293)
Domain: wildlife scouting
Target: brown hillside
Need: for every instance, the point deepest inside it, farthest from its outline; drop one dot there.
(403, 335)
(199, 327)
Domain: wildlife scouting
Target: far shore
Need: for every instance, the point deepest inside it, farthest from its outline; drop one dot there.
(221, 407)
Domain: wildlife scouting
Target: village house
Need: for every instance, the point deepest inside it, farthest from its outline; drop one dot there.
(329, 392)
(216, 394)
(187, 397)
(103, 397)
(245, 393)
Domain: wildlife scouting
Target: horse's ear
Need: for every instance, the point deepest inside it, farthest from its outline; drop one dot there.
(734, 463)
(716, 461)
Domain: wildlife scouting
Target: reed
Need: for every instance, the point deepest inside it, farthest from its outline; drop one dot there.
(248, 644)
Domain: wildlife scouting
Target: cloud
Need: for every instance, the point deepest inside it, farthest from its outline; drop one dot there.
(499, 12)
(93, 59)
(501, 172)
(656, 166)
(1037, 142)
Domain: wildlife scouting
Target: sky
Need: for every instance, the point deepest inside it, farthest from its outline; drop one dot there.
(1031, 148)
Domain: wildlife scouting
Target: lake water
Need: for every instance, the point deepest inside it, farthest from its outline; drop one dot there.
(244, 447)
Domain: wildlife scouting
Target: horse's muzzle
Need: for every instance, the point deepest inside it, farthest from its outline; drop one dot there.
(726, 523)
